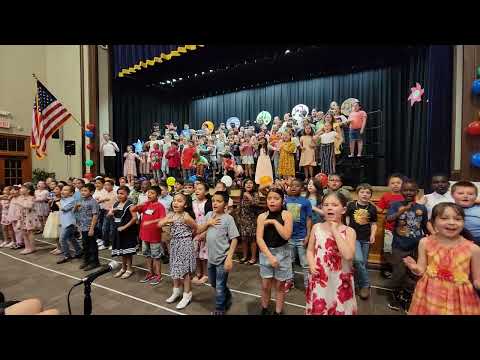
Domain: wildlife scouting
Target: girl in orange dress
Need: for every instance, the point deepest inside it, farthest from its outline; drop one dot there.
(286, 162)
(448, 264)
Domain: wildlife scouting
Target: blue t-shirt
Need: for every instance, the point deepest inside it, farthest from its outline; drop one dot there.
(472, 222)
(300, 208)
(316, 217)
(409, 227)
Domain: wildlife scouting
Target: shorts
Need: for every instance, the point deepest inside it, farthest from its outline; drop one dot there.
(284, 270)
(152, 250)
(248, 160)
(355, 135)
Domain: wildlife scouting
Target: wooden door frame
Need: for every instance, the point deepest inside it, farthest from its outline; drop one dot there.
(26, 156)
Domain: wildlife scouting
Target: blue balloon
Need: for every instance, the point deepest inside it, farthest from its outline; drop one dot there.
(192, 178)
(138, 146)
(476, 87)
(475, 160)
(89, 134)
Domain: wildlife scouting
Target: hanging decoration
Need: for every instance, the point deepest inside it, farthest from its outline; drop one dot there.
(476, 87)
(89, 134)
(475, 160)
(416, 94)
(91, 127)
(89, 163)
(474, 127)
(90, 146)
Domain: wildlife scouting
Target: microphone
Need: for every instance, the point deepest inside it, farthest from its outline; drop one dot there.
(112, 265)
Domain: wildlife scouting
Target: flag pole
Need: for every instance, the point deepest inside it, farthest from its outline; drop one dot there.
(71, 115)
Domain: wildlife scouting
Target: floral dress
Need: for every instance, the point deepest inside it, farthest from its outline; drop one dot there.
(331, 291)
(28, 219)
(5, 219)
(247, 218)
(286, 162)
(445, 288)
(130, 165)
(41, 203)
(182, 254)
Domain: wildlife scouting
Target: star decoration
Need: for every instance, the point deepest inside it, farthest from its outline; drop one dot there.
(416, 94)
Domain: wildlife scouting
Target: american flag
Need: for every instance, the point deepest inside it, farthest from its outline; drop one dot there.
(48, 116)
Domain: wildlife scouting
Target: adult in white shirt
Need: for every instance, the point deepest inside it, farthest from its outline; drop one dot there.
(109, 149)
(440, 187)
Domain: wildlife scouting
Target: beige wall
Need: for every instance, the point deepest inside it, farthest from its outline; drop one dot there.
(58, 67)
(103, 98)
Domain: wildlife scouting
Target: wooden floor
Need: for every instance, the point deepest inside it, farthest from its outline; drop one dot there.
(37, 275)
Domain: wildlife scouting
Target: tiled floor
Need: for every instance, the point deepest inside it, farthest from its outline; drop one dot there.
(37, 275)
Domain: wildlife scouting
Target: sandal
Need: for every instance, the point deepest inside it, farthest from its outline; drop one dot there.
(252, 262)
(243, 260)
(127, 274)
(119, 273)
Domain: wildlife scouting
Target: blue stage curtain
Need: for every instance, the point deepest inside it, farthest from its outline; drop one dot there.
(126, 56)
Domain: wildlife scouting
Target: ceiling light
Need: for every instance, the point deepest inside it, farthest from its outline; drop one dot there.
(174, 80)
(196, 74)
(287, 52)
(168, 81)
(203, 73)
(180, 78)
(211, 70)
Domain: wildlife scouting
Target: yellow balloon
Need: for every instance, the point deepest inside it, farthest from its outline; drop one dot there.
(171, 181)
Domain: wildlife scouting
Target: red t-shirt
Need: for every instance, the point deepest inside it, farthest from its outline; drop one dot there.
(151, 210)
(173, 156)
(187, 157)
(384, 203)
(357, 119)
(156, 159)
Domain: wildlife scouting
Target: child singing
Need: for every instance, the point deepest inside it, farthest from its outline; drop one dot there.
(274, 229)
(445, 262)
(7, 230)
(201, 206)
(330, 252)
(28, 220)
(182, 254)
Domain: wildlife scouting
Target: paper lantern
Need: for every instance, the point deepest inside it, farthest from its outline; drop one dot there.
(171, 181)
(91, 127)
(476, 87)
(90, 146)
(89, 163)
(475, 160)
(474, 128)
(89, 134)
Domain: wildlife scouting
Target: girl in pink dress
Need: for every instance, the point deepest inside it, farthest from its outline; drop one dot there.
(28, 220)
(130, 166)
(5, 221)
(331, 249)
(13, 217)
(41, 203)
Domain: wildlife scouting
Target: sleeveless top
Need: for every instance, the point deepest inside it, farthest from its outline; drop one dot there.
(270, 234)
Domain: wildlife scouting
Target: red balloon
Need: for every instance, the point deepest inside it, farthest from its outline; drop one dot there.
(323, 179)
(88, 176)
(474, 128)
(90, 146)
(91, 127)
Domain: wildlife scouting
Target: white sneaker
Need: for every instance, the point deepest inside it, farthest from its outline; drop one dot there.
(3, 243)
(10, 244)
(109, 248)
(187, 297)
(101, 247)
(177, 292)
(99, 241)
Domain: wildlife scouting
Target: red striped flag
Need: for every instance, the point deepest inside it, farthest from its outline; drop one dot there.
(48, 116)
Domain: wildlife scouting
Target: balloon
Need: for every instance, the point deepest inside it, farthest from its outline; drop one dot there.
(138, 146)
(192, 178)
(227, 180)
(322, 178)
(89, 134)
(91, 127)
(475, 160)
(89, 163)
(266, 180)
(88, 176)
(478, 72)
(90, 146)
(476, 87)
(474, 128)
(171, 181)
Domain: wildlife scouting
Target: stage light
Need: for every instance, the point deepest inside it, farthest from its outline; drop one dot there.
(203, 73)
(168, 81)
(196, 74)
(180, 78)
(287, 52)
(174, 80)
(211, 70)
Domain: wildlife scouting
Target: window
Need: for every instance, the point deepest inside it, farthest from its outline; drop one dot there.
(13, 171)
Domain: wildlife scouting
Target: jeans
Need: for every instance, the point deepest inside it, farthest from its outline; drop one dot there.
(218, 277)
(107, 231)
(174, 172)
(66, 237)
(402, 278)
(99, 226)
(296, 247)
(90, 249)
(361, 261)
(186, 173)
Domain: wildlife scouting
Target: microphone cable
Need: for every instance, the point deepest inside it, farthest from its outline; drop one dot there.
(68, 298)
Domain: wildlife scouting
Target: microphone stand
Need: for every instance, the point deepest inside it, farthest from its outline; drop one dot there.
(87, 301)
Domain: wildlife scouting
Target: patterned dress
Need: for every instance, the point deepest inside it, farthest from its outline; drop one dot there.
(124, 242)
(41, 203)
(201, 250)
(286, 162)
(182, 254)
(331, 291)
(28, 219)
(5, 219)
(445, 288)
(247, 219)
(130, 166)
